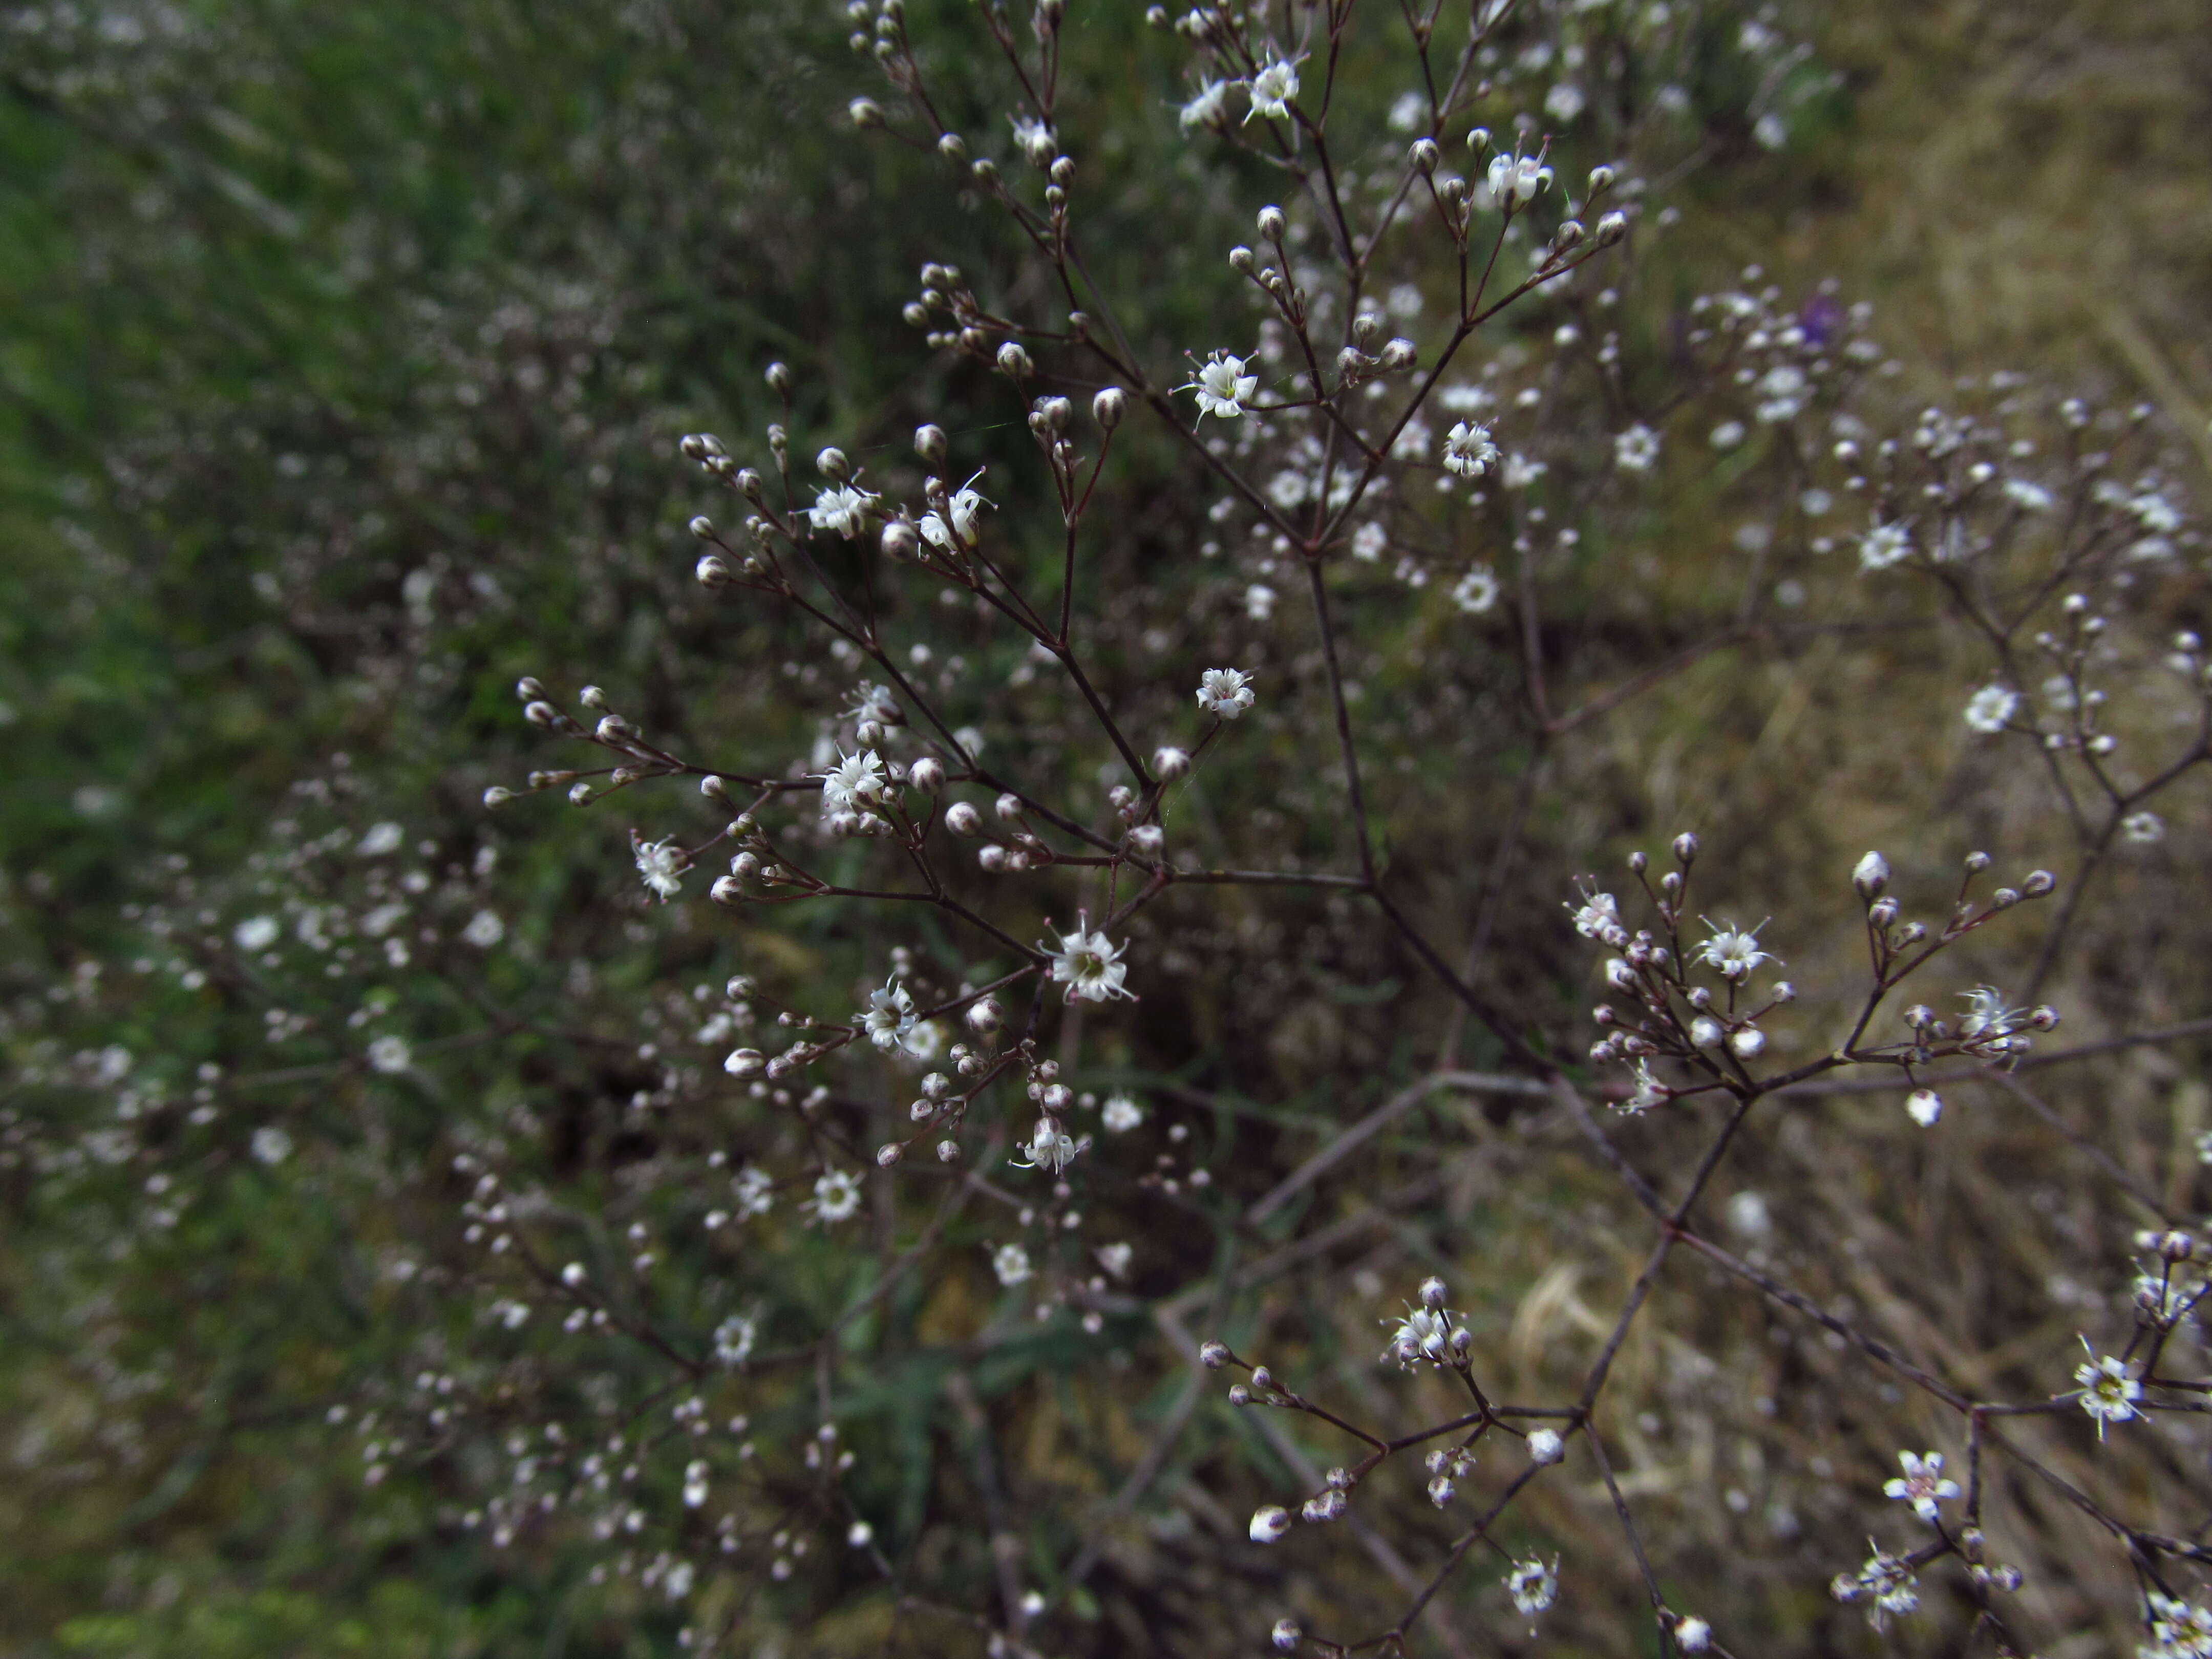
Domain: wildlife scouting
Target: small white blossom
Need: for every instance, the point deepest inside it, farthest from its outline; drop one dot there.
(2179, 1630)
(889, 1016)
(1049, 1147)
(1636, 450)
(484, 930)
(1884, 545)
(1727, 435)
(1544, 1446)
(1012, 1264)
(1035, 139)
(1783, 391)
(954, 529)
(1989, 708)
(1885, 1581)
(257, 933)
(733, 1340)
(754, 1190)
(1925, 1106)
(1273, 87)
(661, 867)
(1088, 964)
(1222, 385)
(378, 839)
(842, 507)
(1476, 593)
(1564, 101)
(1598, 916)
(271, 1145)
(1533, 1584)
(1987, 1018)
(391, 1055)
(1368, 541)
(1423, 1333)
(1649, 1092)
(1225, 693)
(836, 1197)
(695, 1484)
(1923, 1484)
(2109, 1389)
(1469, 451)
(1520, 471)
(1121, 1114)
(854, 783)
(1514, 180)
(1208, 109)
(1733, 950)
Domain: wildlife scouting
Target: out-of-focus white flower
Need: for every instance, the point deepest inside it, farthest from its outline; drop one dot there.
(661, 867)
(1636, 450)
(1533, 1584)
(1012, 1264)
(1989, 708)
(836, 1197)
(1208, 109)
(391, 1055)
(1884, 545)
(1121, 1114)
(1476, 592)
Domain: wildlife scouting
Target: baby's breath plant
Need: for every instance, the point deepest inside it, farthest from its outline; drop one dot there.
(1081, 1136)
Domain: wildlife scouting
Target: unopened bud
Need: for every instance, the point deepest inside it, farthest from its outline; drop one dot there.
(888, 1154)
(1398, 354)
(926, 774)
(1686, 847)
(930, 443)
(1423, 155)
(1871, 876)
(1271, 222)
(866, 113)
(744, 1062)
(1109, 406)
(778, 378)
(1169, 763)
(728, 890)
(713, 570)
(984, 1016)
(1212, 1354)
(962, 819)
(1015, 361)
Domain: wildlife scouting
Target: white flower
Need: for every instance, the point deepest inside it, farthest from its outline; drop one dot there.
(1520, 471)
(1368, 541)
(1649, 1092)
(1049, 1147)
(660, 865)
(842, 507)
(855, 781)
(1533, 1584)
(1270, 1521)
(1409, 111)
(1208, 109)
(1564, 101)
(1225, 693)
(1087, 964)
(391, 1055)
(755, 1192)
(733, 1340)
(1884, 545)
(1273, 87)
(1514, 180)
(2143, 828)
(1222, 385)
(1771, 130)
(1923, 1484)
(1693, 1634)
(378, 839)
(1468, 452)
(1115, 1258)
(1035, 139)
(271, 1145)
(954, 530)
(1990, 707)
(1121, 1114)
(836, 1196)
(1598, 916)
(924, 1040)
(1727, 435)
(1544, 1446)
(1636, 449)
(2180, 1630)
(1734, 951)
(1783, 391)
(1259, 601)
(484, 930)
(889, 1015)
(2109, 1391)
(1886, 1580)
(695, 1483)
(1477, 591)
(1925, 1107)
(257, 933)
(1423, 1333)
(1012, 1264)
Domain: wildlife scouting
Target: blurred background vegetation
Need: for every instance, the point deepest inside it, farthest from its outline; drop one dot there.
(342, 353)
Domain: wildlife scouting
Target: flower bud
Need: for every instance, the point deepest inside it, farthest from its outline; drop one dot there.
(1882, 911)
(984, 1016)
(1398, 354)
(995, 859)
(1109, 406)
(1748, 1043)
(498, 795)
(1270, 1523)
(831, 464)
(1544, 1446)
(898, 541)
(1705, 1032)
(1686, 847)
(1212, 1354)
(930, 443)
(1286, 1636)
(1240, 259)
(1871, 876)
(713, 570)
(1009, 808)
(728, 890)
(1925, 1106)
(952, 146)
(888, 1154)
(926, 774)
(2039, 883)
(1432, 1292)
(1423, 155)
(1271, 222)
(778, 376)
(1170, 764)
(1693, 1635)
(745, 867)
(865, 113)
(744, 1062)
(1611, 228)
(1442, 1492)
(962, 819)
(1015, 361)
(1146, 840)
